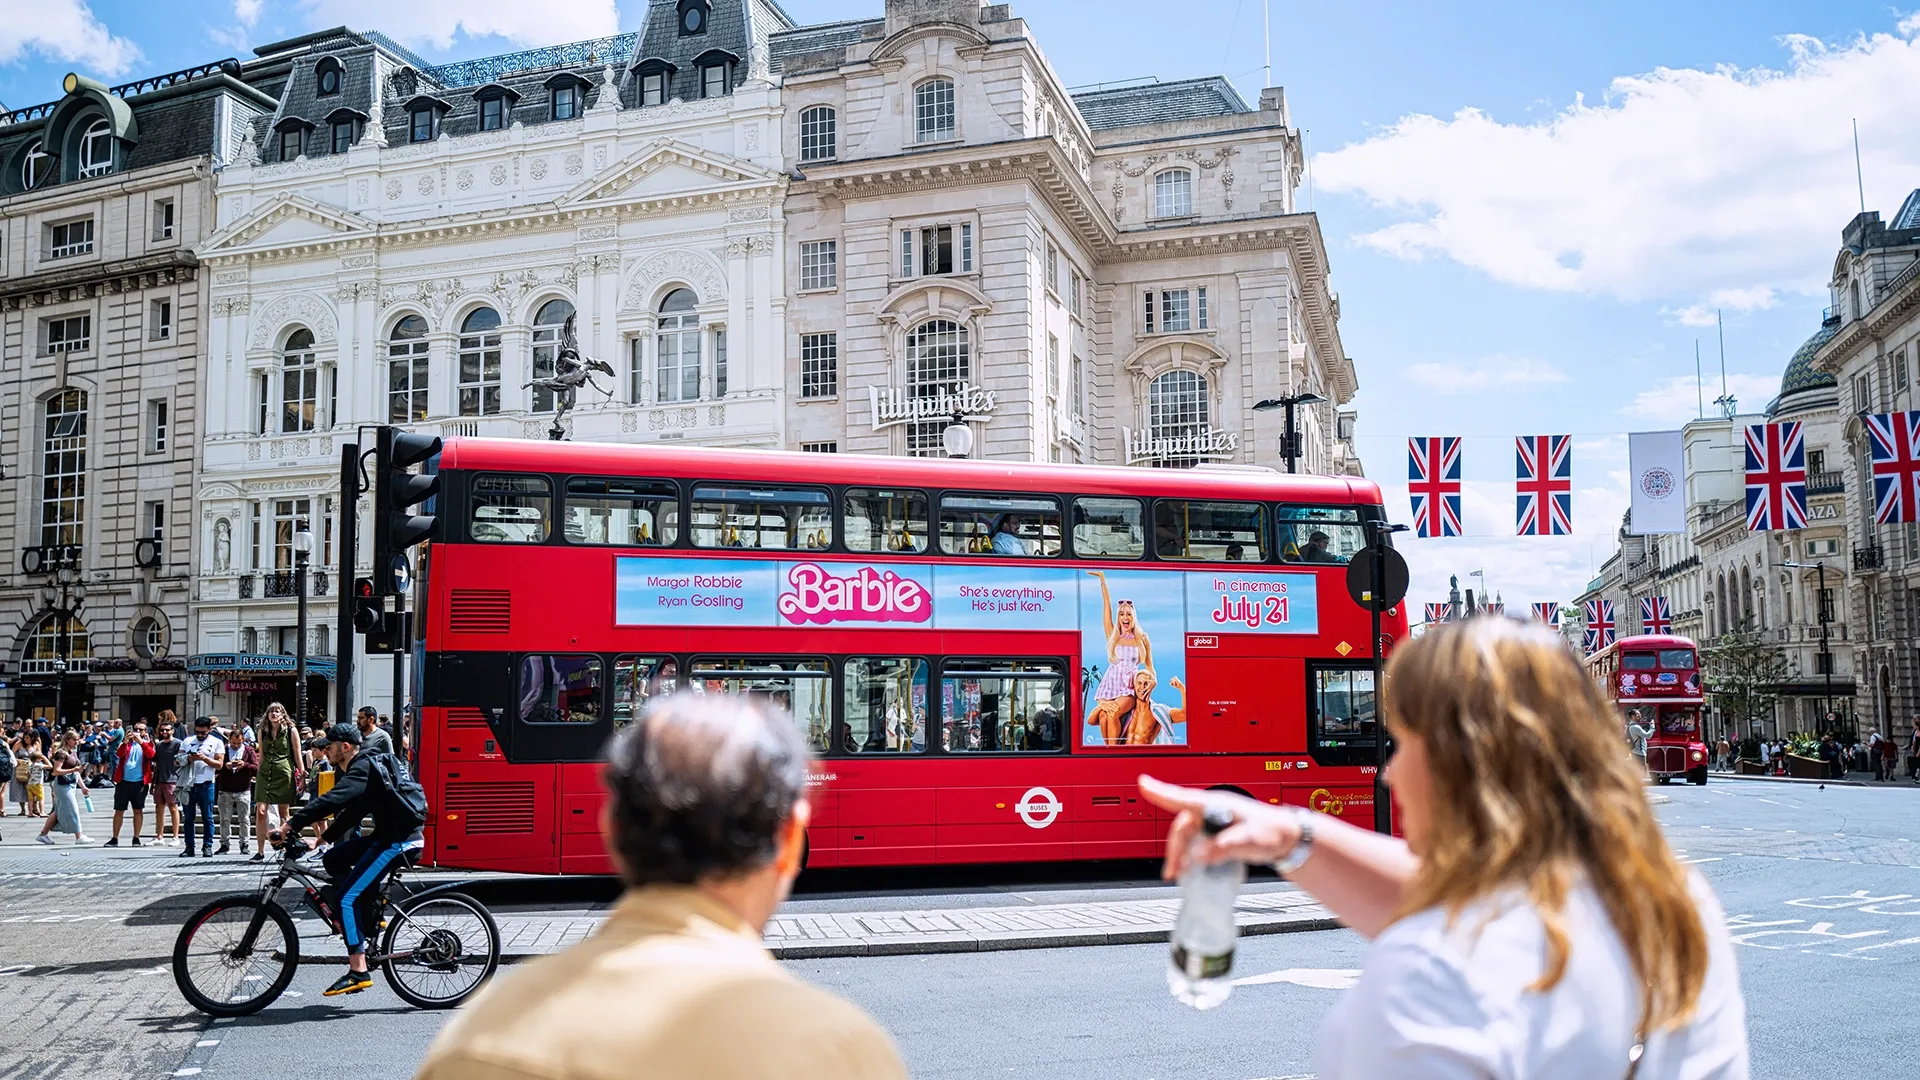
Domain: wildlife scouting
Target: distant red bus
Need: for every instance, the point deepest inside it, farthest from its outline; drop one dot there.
(983, 655)
(1658, 676)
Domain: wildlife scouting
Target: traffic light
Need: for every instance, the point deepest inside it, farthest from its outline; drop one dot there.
(396, 491)
(368, 609)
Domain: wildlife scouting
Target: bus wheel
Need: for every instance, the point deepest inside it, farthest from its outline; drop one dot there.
(1698, 775)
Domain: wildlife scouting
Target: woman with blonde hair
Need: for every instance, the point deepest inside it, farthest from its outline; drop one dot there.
(1128, 653)
(1533, 922)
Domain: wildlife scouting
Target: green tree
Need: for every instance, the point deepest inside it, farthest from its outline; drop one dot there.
(1743, 675)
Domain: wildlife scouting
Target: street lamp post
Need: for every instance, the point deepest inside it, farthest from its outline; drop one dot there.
(1826, 657)
(957, 439)
(302, 551)
(1291, 446)
(72, 591)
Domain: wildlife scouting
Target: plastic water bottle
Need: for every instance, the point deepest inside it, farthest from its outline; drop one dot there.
(1202, 955)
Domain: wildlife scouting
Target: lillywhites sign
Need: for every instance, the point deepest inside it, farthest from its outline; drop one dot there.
(1204, 443)
(892, 407)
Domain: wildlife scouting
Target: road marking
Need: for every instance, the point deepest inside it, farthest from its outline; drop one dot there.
(208, 1042)
(1318, 978)
(1694, 862)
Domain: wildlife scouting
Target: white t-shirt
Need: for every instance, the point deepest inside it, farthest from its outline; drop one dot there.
(199, 772)
(1441, 1003)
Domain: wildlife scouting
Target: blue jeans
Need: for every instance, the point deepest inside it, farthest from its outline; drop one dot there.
(356, 864)
(198, 803)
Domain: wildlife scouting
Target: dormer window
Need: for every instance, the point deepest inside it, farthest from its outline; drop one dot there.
(342, 136)
(693, 17)
(493, 114)
(653, 88)
(566, 102)
(716, 72)
(424, 125)
(290, 144)
(328, 77)
(96, 150)
(35, 167)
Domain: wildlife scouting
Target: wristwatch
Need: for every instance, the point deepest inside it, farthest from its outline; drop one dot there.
(1302, 848)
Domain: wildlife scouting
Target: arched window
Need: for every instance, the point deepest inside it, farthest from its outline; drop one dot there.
(96, 150)
(676, 363)
(933, 110)
(939, 360)
(1177, 409)
(59, 641)
(549, 328)
(407, 371)
(1173, 193)
(63, 470)
(1746, 600)
(480, 363)
(299, 383)
(818, 135)
(329, 77)
(35, 167)
(148, 636)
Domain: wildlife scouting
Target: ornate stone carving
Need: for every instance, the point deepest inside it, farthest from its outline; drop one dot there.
(393, 190)
(436, 295)
(222, 545)
(739, 247)
(573, 165)
(685, 418)
(511, 286)
(356, 262)
(253, 451)
(308, 311)
(229, 277)
(657, 419)
(289, 448)
(463, 179)
(497, 175)
(599, 158)
(360, 191)
(680, 265)
(750, 138)
(716, 416)
(1226, 181)
(425, 183)
(629, 422)
(748, 213)
(538, 170)
(596, 232)
(608, 97)
(1119, 192)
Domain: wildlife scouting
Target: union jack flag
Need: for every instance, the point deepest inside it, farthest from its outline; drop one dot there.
(1599, 625)
(1548, 613)
(1543, 485)
(1655, 617)
(1776, 477)
(1439, 613)
(1433, 482)
(1494, 609)
(1896, 466)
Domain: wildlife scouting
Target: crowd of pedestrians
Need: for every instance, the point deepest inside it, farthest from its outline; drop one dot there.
(231, 780)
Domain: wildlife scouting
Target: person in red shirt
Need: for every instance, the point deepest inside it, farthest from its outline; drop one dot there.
(132, 776)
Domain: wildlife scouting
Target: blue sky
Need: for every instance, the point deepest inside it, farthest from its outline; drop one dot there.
(1532, 210)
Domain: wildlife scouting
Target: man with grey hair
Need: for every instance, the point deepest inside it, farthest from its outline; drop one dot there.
(706, 819)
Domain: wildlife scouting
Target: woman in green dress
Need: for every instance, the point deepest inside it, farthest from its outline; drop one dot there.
(279, 775)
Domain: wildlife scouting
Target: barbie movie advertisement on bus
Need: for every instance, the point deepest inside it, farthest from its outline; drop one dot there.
(1135, 693)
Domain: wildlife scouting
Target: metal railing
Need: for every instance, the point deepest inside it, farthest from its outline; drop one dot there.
(281, 584)
(1868, 557)
(246, 586)
(1826, 483)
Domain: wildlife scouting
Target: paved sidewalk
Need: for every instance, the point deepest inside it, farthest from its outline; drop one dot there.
(978, 929)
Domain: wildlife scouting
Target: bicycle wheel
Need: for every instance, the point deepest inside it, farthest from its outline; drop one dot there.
(220, 979)
(439, 949)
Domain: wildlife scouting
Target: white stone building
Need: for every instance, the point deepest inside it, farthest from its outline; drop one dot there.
(1112, 276)
(403, 243)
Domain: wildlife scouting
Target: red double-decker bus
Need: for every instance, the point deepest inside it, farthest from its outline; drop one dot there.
(984, 656)
(1658, 677)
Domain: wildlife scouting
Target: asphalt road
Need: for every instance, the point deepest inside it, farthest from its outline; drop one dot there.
(1823, 888)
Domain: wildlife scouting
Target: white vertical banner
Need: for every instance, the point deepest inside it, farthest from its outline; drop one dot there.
(1655, 459)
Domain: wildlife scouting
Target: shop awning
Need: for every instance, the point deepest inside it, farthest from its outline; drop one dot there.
(258, 664)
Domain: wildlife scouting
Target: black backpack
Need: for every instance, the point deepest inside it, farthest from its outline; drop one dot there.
(6, 763)
(405, 799)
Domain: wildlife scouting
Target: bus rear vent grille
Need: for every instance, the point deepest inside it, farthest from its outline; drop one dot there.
(480, 611)
(469, 718)
(492, 808)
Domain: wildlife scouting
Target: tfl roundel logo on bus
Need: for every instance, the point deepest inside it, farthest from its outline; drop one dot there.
(1038, 807)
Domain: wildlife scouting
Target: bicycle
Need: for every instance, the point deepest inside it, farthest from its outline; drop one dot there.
(238, 953)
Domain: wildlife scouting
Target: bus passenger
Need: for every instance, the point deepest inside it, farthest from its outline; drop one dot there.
(1006, 537)
(1316, 549)
(1128, 651)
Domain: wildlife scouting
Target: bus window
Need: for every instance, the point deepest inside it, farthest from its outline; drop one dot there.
(803, 687)
(762, 518)
(638, 680)
(1320, 534)
(1638, 661)
(1003, 705)
(511, 509)
(1340, 716)
(879, 520)
(886, 703)
(631, 513)
(1107, 529)
(559, 689)
(1676, 659)
(999, 525)
(1210, 531)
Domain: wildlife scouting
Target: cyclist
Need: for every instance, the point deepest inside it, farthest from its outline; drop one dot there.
(368, 783)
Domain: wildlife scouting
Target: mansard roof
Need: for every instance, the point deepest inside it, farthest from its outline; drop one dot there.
(1157, 102)
(788, 45)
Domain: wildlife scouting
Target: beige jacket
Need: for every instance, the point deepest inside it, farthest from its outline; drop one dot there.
(675, 985)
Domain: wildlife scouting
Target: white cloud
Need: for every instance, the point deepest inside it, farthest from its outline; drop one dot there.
(1713, 188)
(247, 11)
(1486, 373)
(63, 30)
(435, 22)
(1676, 400)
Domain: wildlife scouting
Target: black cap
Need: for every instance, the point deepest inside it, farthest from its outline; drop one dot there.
(341, 733)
